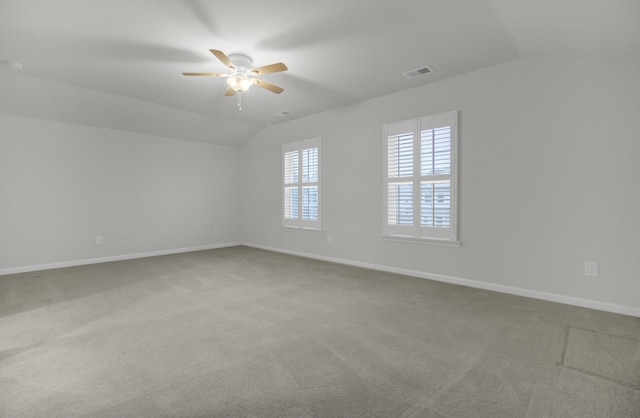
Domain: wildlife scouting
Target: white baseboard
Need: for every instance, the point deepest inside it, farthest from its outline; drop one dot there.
(61, 264)
(551, 297)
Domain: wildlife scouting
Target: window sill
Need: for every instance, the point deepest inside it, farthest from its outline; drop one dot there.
(427, 241)
(299, 229)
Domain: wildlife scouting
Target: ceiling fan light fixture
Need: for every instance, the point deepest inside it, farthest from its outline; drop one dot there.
(239, 82)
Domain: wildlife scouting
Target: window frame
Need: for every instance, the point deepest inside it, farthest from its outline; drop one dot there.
(299, 147)
(415, 232)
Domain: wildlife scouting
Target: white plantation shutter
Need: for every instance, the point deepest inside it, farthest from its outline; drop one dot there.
(291, 168)
(301, 184)
(435, 179)
(400, 151)
(310, 184)
(420, 161)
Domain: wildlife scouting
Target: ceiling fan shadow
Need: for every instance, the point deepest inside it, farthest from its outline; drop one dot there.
(329, 25)
(324, 94)
(204, 17)
(123, 51)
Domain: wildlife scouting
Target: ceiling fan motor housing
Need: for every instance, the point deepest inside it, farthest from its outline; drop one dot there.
(241, 61)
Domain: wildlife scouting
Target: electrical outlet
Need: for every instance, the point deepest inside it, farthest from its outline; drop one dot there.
(330, 239)
(591, 268)
(99, 240)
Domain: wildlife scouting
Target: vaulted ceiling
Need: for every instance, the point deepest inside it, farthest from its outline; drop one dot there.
(119, 64)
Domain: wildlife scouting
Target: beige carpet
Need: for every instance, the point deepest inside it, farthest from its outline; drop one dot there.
(241, 332)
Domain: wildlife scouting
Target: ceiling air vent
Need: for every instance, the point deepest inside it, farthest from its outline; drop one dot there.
(418, 72)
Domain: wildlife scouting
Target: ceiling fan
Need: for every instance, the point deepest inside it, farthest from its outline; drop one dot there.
(242, 75)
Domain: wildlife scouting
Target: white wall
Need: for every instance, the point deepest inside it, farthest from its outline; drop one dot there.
(549, 179)
(62, 184)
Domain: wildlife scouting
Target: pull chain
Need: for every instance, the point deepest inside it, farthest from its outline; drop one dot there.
(239, 101)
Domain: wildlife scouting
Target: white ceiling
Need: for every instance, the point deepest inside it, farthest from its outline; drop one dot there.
(124, 58)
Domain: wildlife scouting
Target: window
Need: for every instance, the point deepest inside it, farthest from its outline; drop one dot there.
(420, 178)
(301, 184)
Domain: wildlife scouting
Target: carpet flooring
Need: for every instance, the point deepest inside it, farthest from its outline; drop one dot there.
(242, 332)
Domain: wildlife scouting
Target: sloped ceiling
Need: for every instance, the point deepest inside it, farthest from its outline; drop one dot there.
(118, 64)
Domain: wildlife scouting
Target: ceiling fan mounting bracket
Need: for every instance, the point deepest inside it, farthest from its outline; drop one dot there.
(241, 60)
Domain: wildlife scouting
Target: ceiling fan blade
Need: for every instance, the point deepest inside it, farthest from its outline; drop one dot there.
(230, 92)
(222, 57)
(206, 74)
(268, 86)
(268, 69)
